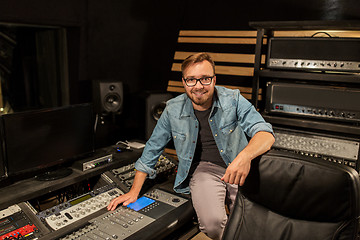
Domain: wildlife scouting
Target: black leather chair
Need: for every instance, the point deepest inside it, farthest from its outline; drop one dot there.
(289, 196)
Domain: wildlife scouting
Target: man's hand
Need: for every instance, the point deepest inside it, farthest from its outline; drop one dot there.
(237, 171)
(239, 168)
(132, 195)
(124, 199)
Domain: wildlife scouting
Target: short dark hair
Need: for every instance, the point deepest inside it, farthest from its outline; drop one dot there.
(196, 58)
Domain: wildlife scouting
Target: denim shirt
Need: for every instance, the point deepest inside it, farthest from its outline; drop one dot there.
(231, 117)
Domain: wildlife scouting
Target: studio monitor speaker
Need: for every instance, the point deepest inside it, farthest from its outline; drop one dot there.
(108, 96)
(155, 104)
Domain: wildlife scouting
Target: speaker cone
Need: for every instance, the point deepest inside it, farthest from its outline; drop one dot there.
(157, 110)
(112, 102)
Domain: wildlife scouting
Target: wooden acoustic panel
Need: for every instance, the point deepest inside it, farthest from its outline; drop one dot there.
(232, 51)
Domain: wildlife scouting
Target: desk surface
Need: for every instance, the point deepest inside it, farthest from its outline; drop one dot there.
(27, 189)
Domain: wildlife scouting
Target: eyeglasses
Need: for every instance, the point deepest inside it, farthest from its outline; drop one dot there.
(191, 82)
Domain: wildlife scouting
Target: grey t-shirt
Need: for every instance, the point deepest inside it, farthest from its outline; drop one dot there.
(206, 149)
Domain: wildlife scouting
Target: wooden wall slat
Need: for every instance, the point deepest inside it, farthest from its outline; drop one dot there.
(212, 33)
(237, 71)
(175, 83)
(217, 40)
(223, 57)
(176, 67)
(172, 153)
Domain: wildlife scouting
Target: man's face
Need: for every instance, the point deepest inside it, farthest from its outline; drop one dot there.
(200, 95)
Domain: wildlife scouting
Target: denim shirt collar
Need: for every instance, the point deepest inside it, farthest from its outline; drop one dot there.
(187, 108)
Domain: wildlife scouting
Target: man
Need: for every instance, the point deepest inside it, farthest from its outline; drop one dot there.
(208, 125)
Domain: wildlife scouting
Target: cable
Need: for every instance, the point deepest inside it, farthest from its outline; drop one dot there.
(96, 120)
(323, 33)
(126, 144)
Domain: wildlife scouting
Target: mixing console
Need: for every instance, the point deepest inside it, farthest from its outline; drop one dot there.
(154, 215)
(125, 222)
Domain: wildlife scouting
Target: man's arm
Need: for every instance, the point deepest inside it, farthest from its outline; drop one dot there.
(239, 168)
(132, 195)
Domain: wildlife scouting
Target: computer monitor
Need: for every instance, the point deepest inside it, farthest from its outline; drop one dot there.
(36, 142)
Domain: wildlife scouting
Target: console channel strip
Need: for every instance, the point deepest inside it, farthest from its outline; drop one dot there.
(126, 222)
(126, 173)
(78, 208)
(19, 222)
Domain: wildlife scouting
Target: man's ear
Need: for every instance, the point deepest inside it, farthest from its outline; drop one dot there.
(183, 81)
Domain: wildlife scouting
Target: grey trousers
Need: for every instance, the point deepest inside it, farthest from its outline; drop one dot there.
(209, 196)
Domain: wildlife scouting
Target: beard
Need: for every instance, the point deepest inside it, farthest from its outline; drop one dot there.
(200, 97)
